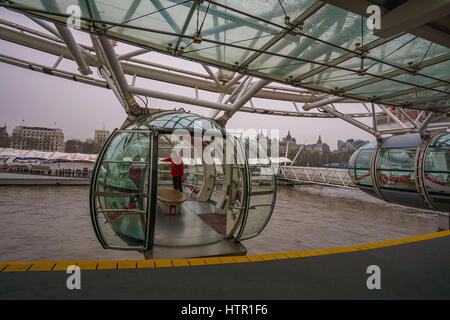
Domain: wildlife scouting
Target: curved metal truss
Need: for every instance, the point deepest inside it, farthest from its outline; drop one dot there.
(325, 55)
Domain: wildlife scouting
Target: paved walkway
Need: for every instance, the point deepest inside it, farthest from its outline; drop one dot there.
(412, 268)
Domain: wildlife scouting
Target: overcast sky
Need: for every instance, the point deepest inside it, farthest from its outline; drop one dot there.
(35, 99)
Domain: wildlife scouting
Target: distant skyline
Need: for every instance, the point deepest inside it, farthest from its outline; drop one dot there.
(9, 131)
(35, 99)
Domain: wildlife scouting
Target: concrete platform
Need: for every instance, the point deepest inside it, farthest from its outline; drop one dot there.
(411, 268)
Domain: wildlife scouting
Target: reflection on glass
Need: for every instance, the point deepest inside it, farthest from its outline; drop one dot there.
(437, 171)
(395, 169)
(359, 165)
(120, 200)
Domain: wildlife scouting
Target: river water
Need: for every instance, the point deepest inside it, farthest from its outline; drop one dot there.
(53, 223)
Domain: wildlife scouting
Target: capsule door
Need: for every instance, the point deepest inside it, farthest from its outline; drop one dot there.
(261, 191)
(121, 191)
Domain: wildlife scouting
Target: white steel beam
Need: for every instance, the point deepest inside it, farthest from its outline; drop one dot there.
(178, 98)
(212, 75)
(245, 87)
(214, 113)
(243, 99)
(52, 71)
(104, 69)
(406, 115)
(32, 31)
(57, 49)
(45, 25)
(236, 90)
(425, 122)
(111, 84)
(68, 38)
(322, 103)
(392, 116)
(350, 120)
(236, 78)
(116, 68)
(104, 44)
(131, 54)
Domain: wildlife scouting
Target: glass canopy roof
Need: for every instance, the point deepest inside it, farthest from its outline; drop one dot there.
(305, 43)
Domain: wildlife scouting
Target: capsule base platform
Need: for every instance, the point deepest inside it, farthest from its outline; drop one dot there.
(225, 247)
(444, 220)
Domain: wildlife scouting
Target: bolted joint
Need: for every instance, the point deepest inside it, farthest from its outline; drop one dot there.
(198, 37)
(287, 21)
(134, 108)
(413, 67)
(224, 119)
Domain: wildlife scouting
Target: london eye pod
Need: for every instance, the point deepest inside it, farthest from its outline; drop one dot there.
(227, 196)
(410, 170)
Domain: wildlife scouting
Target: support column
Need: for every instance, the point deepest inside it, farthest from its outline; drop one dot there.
(75, 50)
(242, 100)
(117, 71)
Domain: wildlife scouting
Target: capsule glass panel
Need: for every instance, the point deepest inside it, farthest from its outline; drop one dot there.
(362, 165)
(359, 168)
(262, 188)
(120, 191)
(437, 171)
(395, 170)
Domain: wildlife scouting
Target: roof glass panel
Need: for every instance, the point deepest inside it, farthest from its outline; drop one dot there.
(253, 36)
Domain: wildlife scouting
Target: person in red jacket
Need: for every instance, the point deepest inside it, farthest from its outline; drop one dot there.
(177, 170)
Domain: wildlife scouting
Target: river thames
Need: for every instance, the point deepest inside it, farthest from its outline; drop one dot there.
(53, 223)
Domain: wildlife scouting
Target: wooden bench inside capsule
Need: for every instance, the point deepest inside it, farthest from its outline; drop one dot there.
(171, 199)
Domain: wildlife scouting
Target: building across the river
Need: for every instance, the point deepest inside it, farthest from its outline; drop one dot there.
(37, 138)
(100, 136)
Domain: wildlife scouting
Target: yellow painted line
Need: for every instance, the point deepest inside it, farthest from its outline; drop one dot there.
(267, 257)
(254, 257)
(291, 254)
(241, 259)
(88, 265)
(127, 264)
(161, 263)
(301, 254)
(146, 264)
(103, 265)
(319, 252)
(180, 262)
(63, 265)
(3, 265)
(280, 255)
(226, 260)
(212, 260)
(42, 266)
(18, 266)
(196, 262)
